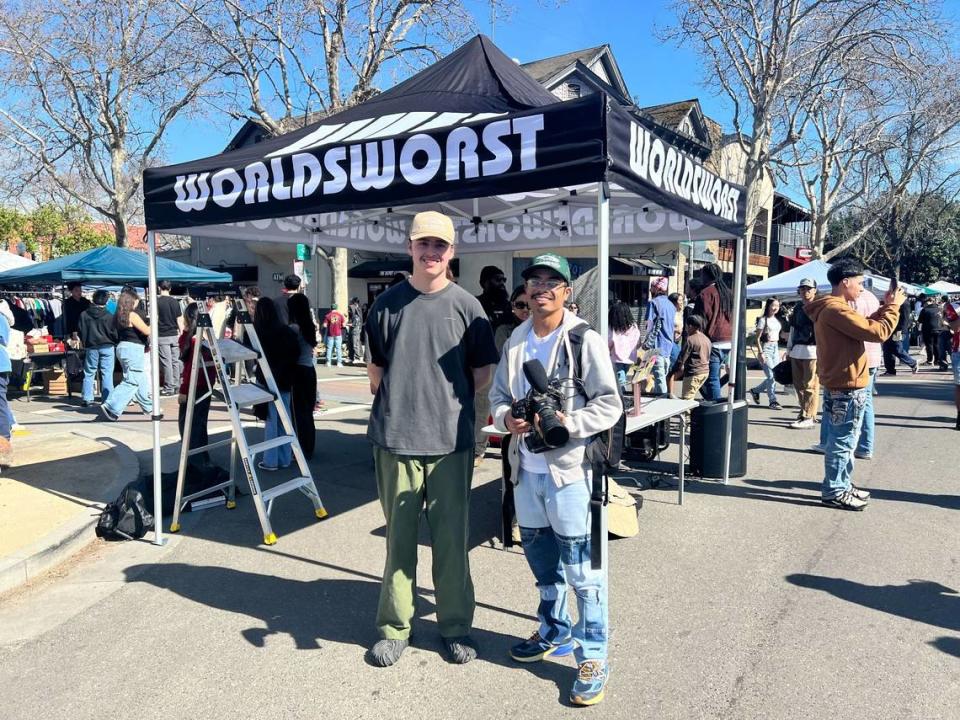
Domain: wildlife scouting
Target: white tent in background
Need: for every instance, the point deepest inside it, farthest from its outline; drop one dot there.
(8, 261)
(784, 285)
(942, 286)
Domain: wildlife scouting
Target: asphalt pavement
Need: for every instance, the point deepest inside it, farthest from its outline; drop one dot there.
(749, 601)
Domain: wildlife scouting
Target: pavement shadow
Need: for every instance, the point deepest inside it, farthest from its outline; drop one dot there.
(920, 600)
(312, 612)
(917, 389)
(949, 645)
(948, 502)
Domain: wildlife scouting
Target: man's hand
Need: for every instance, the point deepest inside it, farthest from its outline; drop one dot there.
(895, 297)
(516, 426)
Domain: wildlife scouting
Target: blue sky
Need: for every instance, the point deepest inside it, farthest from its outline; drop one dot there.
(654, 73)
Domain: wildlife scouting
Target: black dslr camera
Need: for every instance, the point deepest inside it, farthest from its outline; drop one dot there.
(544, 399)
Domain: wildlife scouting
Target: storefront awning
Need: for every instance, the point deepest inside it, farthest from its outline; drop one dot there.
(639, 266)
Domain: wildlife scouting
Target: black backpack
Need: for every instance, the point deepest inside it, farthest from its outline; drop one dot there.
(127, 517)
(604, 451)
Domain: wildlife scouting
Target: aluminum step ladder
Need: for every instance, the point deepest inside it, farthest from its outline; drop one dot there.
(240, 393)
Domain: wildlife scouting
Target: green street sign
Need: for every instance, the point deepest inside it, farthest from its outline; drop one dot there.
(303, 251)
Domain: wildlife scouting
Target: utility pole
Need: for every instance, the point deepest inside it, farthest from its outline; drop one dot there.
(493, 20)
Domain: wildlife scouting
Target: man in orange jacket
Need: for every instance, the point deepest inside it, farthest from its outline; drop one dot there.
(843, 371)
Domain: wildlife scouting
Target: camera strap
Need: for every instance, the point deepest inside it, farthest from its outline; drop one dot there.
(599, 498)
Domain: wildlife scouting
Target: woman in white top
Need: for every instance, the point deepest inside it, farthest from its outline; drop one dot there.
(768, 347)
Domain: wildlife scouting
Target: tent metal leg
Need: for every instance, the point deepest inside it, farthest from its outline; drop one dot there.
(156, 416)
(603, 263)
(735, 343)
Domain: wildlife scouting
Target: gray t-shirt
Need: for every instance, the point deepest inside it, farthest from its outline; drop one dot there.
(428, 345)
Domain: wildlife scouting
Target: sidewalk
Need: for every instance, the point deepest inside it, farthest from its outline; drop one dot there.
(51, 497)
(68, 464)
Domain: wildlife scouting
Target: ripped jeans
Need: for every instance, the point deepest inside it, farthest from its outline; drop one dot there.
(555, 531)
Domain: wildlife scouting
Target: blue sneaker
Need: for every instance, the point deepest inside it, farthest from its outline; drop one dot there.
(536, 649)
(591, 682)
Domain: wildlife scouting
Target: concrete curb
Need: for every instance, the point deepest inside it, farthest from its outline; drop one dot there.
(71, 537)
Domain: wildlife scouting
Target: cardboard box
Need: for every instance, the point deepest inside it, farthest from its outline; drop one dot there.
(55, 383)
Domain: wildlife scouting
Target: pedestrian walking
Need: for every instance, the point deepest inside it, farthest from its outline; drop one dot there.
(304, 391)
(802, 351)
(553, 487)
(98, 333)
(892, 348)
(944, 337)
(623, 338)
(842, 367)
(951, 315)
(693, 363)
(355, 320)
(660, 321)
(133, 331)
(333, 326)
(929, 321)
(429, 347)
(281, 349)
(715, 304)
(768, 349)
(169, 327)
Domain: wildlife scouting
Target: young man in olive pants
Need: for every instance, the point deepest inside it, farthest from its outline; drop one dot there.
(429, 348)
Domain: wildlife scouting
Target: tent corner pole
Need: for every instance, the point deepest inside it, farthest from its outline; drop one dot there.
(733, 362)
(156, 415)
(603, 265)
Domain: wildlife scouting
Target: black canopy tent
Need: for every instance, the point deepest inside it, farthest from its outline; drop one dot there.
(472, 136)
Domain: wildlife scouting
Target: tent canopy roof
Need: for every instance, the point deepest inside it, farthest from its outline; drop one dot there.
(785, 284)
(942, 286)
(473, 136)
(109, 264)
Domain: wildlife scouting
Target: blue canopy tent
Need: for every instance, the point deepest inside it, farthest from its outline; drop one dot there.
(111, 265)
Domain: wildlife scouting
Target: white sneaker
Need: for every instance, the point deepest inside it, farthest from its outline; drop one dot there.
(802, 424)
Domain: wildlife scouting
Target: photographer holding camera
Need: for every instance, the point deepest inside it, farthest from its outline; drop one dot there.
(555, 395)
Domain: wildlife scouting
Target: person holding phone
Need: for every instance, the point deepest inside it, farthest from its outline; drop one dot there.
(842, 366)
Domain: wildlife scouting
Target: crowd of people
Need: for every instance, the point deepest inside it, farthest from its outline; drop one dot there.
(442, 364)
(833, 349)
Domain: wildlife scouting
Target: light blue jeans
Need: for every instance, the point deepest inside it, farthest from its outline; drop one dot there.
(660, 368)
(335, 343)
(555, 531)
(769, 359)
(98, 358)
(283, 455)
(865, 441)
(135, 385)
(846, 409)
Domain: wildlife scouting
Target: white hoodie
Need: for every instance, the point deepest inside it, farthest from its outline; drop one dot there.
(594, 409)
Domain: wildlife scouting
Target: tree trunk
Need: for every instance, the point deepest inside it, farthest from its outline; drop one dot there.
(338, 276)
(819, 234)
(120, 231)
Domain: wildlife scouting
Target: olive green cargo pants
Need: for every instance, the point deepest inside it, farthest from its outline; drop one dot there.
(440, 483)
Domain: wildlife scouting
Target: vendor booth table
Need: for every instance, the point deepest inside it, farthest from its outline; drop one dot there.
(476, 138)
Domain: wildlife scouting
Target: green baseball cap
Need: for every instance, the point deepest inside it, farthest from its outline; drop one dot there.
(549, 261)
